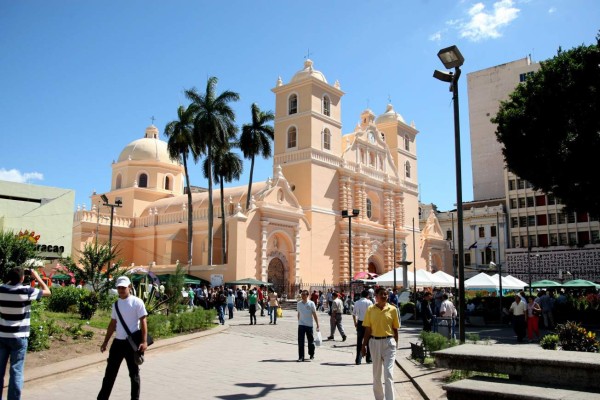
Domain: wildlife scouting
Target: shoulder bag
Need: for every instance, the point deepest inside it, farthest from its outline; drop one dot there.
(134, 338)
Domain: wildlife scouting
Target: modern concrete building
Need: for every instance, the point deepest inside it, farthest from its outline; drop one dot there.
(47, 211)
(293, 232)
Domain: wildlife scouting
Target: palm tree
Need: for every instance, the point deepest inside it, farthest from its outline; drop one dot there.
(213, 129)
(227, 166)
(256, 140)
(180, 145)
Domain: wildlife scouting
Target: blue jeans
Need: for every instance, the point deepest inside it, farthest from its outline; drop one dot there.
(230, 309)
(221, 313)
(273, 314)
(15, 348)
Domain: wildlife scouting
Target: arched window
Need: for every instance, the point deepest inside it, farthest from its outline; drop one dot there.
(406, 143)
(326, 105)
(293, 104)
(369, 208)
(326, 139)
(372, 159)
(167, 183)
(119, 182)
(143, 181)
(292, 137)
(407, 169)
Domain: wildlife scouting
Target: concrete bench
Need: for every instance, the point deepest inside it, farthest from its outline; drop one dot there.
(496, 389)
(567, 369)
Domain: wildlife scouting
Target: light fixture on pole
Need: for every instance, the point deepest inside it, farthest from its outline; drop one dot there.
(350, 214)
(118, 204)
(452, 58)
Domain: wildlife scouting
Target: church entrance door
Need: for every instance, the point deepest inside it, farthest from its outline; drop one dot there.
(276, 276)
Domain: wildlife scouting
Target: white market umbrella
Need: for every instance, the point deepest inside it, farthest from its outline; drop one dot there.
(517, 281)
(507, 284)
(444, 279)
(387, 279)
(424, 278)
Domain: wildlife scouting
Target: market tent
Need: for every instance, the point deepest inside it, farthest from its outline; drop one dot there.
(61, 277)
(507, 283)
(444, 277)
(545, 283)
(187, 280)
(579, 283)
(481, 281)
(387, 279)
(425, 278)
(248, 282)
(517, 281)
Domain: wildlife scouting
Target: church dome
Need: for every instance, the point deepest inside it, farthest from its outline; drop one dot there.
(389, 116)
(148, 148)
(307, 72)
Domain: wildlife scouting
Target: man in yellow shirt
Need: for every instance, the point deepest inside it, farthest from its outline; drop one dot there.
(381, 325)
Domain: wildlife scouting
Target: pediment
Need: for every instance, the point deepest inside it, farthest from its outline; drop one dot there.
(432, 229)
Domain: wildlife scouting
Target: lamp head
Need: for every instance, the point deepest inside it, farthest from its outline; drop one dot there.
(355, 212)
(443, 76)
(104, 198)
(451, 57)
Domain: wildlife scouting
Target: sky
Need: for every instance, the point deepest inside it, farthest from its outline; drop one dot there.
(79, 80)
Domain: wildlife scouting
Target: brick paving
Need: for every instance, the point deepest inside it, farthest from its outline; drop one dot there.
(240, 362)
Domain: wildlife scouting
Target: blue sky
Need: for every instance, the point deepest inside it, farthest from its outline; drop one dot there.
(79, 80)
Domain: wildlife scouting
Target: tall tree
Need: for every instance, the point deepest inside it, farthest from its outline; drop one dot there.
(214, 125)
(256, 140)
(550, 128)
(15, 251)
(227, 166)
(91, 266)
(180, 134)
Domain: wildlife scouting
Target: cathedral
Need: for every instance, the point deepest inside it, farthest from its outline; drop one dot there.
(296, 229)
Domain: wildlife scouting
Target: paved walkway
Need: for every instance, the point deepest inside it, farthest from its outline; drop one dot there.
(237, 362)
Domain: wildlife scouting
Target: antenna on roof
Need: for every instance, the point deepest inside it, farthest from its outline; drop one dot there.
(307, 54)
(389, 99)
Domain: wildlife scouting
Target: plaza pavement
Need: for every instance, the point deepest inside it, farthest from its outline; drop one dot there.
(238, 361)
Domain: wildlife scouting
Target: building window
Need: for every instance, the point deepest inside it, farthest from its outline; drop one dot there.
(372, 160)
(571, 217)
(524, 76)
(326, 106)
(562, 218)
(407, 168)
(531, 220)
(514, 222)
(493, 231)
(551, 200)
(540, 200)
(119, 182)
(448, 235)
(406, 143)
(552, 219)
(292, 139)
(481, 231)
(143, 181)
(595, 237)
(515, 241)
(521, 202)
(522, 222)
(541, 219)
(528, 185)
(513, 204)
(582, 217)
(467, 258)
(562, 239)
(167, 183)
(530, 201)
(511, 184)
(553, 239)
(572, 238)
(369, 208)
(293, 104)
(326, 139)
(520, 184)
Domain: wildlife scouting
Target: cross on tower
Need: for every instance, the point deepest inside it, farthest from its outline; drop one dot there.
(152, 119)
(389, 99)
(307, 54)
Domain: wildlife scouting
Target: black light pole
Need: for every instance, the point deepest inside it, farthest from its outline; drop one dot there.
(394, 266)
(452, 58)
(118, 204)
(346, 214)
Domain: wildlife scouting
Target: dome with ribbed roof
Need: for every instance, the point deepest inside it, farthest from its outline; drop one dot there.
(148, 148)
(389, 116)
(307, 72)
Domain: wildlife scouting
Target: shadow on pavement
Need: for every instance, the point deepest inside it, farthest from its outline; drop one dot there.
(266, 389)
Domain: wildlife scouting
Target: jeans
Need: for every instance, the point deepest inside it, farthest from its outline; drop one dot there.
(360, 334)
(273, 314)
(15, 349)
(118, 350)
(336, 322)
(252, 308)
(230, 309)
(308, 331)
(221, 313)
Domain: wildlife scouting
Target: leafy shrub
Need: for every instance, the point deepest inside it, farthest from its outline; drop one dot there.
(39, 337)
(159, 325)
(105, 301)
(434, 341)
(407, 308)
(63, 297)
(573, 337)
(88, 304)
(549, 342)
(189, 321)
(473, 337)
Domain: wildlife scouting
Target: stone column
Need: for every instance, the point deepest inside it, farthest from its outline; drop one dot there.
(264, 260)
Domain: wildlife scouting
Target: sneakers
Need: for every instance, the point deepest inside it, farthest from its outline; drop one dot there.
(312, 357)
(300, 360)
(330, 338)
(343, 338)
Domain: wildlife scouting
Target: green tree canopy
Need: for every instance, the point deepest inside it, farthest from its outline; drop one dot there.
(15, 250)
(92, 266)
(550, 128)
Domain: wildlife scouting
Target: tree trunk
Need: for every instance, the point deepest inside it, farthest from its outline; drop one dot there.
(223, 227)
(210, 209)
(190, 214)
(250, 184)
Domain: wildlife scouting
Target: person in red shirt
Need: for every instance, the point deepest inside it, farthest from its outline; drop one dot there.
(314, 297)
(261, 300)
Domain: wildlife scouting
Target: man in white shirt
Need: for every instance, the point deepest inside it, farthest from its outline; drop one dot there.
(358, 315)
(337, 308)
(307, 311)
(448, 313)
(133, 313)
(518, 310)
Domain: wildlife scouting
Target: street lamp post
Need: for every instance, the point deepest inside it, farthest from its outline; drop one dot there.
(118, 204)
(350, 214)
(452, 58)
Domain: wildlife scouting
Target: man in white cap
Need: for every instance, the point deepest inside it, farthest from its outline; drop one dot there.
(134, 314)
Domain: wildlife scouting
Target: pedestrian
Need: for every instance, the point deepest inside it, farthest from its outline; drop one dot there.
(252, 300)
(15, 307)
(533, 312)
(448, 314)
(220, 302)
(518, 310)
(230, 302)
(307, 311)
(337, 308)
(133, 313)
(273, 306)
(190, 296)
(358, 315)
(547, 305)
(426, 312)
(329, 300)
(261, 300)
(320, 306)
(381, 335)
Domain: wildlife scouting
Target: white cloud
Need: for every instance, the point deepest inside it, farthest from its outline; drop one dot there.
(552, 10)
(436, 37)
(14, 175)
(485, 25)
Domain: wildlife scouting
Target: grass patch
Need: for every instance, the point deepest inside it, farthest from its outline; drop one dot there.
(457, 375)
(99, 320)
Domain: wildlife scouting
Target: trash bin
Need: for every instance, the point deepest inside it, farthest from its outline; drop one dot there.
(444, 327)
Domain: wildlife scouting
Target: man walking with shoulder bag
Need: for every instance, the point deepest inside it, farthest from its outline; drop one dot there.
(133, 313)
